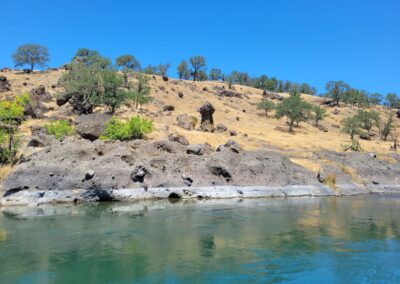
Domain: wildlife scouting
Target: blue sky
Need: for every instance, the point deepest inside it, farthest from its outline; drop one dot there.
(310, 41)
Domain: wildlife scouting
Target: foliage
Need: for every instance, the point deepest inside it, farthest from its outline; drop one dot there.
(202, 76)
(91, 58)
(216, 74)
(11, 116)
(163, 69)
(140, 91)
(135, 128)
(111, 94)
(198, 63)
(150, 70)
(59, 128)
(387, 127)
(351, 125)
(183, 70)
(266, 106)
(368, 119)
(336, 90)
(294, 108)
(330, 180)
(31, 55)
(128, 62)
(82, 85)
(392, 101)
(319, 113)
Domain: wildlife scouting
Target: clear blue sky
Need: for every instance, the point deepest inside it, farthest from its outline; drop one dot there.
(310, 41)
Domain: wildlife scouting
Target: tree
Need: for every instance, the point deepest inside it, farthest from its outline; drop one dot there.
(368, 119)
(31, 55)
(163, 68)
(266, 106)
(387, 127)
(140, 93)
(202, 76)
(319, 114)
(91, 58)
(336, 90)
(351, 126)
(112, 96)
(375, 98)
(127, 63)
(183, 70)
(392, 100)
(216, 74)
(198, 63)
(150, 70)
(294, 108)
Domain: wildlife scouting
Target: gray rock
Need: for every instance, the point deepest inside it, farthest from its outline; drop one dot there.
(5, 85)
(174, 137)
(207, 121)
(89, 174)
(91, 126)
(221, 128)
(184, 121)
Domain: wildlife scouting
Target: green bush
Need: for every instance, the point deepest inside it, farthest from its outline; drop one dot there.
(59, 128)
(9, 145)
(135, 128)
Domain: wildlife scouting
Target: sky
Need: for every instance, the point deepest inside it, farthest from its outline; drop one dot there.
(313, 41)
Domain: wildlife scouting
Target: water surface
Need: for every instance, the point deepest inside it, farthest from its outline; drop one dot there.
(298, 240)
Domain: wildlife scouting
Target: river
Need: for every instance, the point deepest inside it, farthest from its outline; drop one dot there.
(295, 240)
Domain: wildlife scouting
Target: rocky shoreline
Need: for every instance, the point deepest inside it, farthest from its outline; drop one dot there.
(29, 198)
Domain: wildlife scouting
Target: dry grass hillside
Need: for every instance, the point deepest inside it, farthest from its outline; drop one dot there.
(253, 129)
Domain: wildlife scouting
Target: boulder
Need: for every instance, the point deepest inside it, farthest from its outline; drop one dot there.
(232, 133)
(198, 149)
(91, 126)
(40, 94)
(221, 128)
(174, 137)
(272, 96)
(169, 108)
(229, 94)
(365, 136)
(230, 145)
(207, 121)
(165, 78)
(184, 121)
(398, 113)
(4, 84)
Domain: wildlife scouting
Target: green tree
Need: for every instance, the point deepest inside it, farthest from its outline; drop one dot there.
(198, 63)
(216, 74)
(294, 108)
(368, 119)
(183, 70)
(266, 106)
(140, 93)
(336, 90)
(150, 70)
(91, 58)
(163, 68)
(375, 98)
(392, 100)
(31, 55)
(351, 126)
(82, 85)
(127, 63)
(111, 93)
(319, 114)
(387, 127)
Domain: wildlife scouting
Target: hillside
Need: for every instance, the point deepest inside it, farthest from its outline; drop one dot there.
(253, 129)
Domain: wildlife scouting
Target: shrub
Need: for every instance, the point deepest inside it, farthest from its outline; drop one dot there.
(319, 114)
(135, 128)
(330, 181)
(60, 129)
(387, 127)
(9, 145)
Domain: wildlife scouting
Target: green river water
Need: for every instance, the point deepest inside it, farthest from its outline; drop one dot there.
(297, 240)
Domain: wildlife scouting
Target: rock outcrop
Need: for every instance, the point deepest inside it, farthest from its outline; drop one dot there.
(91, 126)
(207, 121)
(5, 85)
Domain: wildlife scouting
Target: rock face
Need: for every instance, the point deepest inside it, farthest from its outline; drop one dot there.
(174, 137)
(87, 167)
(207, 121)
(4, 84)
(91, 126)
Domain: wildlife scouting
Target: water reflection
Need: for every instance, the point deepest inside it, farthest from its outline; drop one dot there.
(262, 241)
